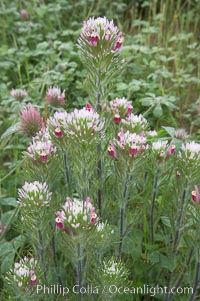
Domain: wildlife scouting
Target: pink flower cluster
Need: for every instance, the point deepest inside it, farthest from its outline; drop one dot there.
(41, 147)
(34, 193)
(18, 94)
(24, 14)
(55, 97)
(128, 143)
(162, 149)
(190, 151)
(96, 32)
(24, 273)
(181, 134)
(80, 125)
(30, 121)
(76, 215)
(121, 107)
(135, 123)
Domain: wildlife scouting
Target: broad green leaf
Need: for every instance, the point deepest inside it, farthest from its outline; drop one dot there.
(43, 46)
(177, 143)
(122, 87)
(167, 263)
(6, 64)
(134, 85)
(18, 241)
(166, 221)
(154, 257)
(170, 130)
(8, 217)
(6, 248)
(146, 102)
(139, 267)
(138, 235)
(9, 202)
(7, 263)
(11, 130)
(158, 112)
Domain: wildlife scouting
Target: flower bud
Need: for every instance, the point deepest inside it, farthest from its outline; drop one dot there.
(33, 280)
(58, 132)
(94, 37)
(117, 118)
(196, 195)
(111, 150)
(43, 157)
(133, 150)
(59, 223)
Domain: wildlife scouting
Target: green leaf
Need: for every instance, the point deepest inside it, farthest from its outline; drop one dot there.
(72, 64)
(122, 87)
(154, 257)
(12, 129)
(9, 202)
(18, 241)
(165, 220)
(139, 267)
(6, 248)
(8, 217)
(134, 85)
(138, 235)
(170, 130)
(146, 102)
(6, 65)
(167, 263)
(7, 263)
(43, 46)
(158, 112)
(177, 143)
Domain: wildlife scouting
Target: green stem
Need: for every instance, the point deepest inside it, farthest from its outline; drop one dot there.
(180, 279)
(99, 164)
(55, 260)
(122, 216)
(196, 282)
(66, 171)
(177, 234)
(85, 179)
(99, 175)
(41, 253)
(79, 269)
(153, 206)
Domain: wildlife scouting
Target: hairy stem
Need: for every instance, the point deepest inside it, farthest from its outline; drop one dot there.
(79, 270)
(46, 110)
(122, 213)
(99, 175)
(66, 170)
(99, 163)
(153, 206)
(41, 253)
(180, 279)
(55, 260)
(196, 281)
(177, 234)
(122, 217)
(85, 186)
